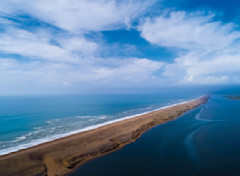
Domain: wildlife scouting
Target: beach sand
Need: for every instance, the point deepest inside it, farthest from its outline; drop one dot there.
(64, 155)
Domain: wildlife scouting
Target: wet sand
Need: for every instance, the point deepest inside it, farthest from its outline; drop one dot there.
(64, 155)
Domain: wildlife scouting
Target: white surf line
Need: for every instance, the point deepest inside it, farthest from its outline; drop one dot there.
(52, 138)
(198, 115)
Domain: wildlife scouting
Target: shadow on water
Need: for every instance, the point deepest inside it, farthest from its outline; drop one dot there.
(204, 141)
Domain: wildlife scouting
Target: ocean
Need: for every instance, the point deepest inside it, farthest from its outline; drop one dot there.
(203, 142)
(26, 121)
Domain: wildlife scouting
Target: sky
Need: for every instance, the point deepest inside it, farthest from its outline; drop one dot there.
(102, 46)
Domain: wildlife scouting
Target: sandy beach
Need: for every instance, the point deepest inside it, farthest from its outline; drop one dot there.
(64, 155)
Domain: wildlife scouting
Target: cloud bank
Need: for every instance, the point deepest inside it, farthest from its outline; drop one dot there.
(83, 15)
(45, 47)
(209, 49)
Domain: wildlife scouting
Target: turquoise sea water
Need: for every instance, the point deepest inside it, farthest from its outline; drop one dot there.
(26, 121)
(203, 142)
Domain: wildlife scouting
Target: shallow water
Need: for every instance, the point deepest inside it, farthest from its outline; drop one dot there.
(204, 141)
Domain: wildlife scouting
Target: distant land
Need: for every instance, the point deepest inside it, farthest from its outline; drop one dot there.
(233, 97)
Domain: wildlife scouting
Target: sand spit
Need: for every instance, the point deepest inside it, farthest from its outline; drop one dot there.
(64, 155)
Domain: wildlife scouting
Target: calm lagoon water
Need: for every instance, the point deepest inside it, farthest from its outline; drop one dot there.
(202, 142)
(26, 121)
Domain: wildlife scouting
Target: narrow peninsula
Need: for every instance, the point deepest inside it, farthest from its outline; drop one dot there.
(62, 156)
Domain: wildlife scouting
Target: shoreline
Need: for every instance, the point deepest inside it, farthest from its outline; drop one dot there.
(64, 155)
(59, 136)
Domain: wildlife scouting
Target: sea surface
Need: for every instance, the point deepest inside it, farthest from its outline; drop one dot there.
(26, 121)
(203, 142)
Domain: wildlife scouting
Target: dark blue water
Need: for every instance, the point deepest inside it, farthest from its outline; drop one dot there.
(30, 120)
(202, 142)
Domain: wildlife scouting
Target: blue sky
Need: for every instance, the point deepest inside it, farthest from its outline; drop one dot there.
(78, 46)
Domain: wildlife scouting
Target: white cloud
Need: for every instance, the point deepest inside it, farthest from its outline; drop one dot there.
(211, 53)
(4, 21)
(130, 70)
(40, 76)
(188, 31)
(47, 60)
(68, 59)
(195, 69)
(38, 45)
(78, 45)
(80, 15)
